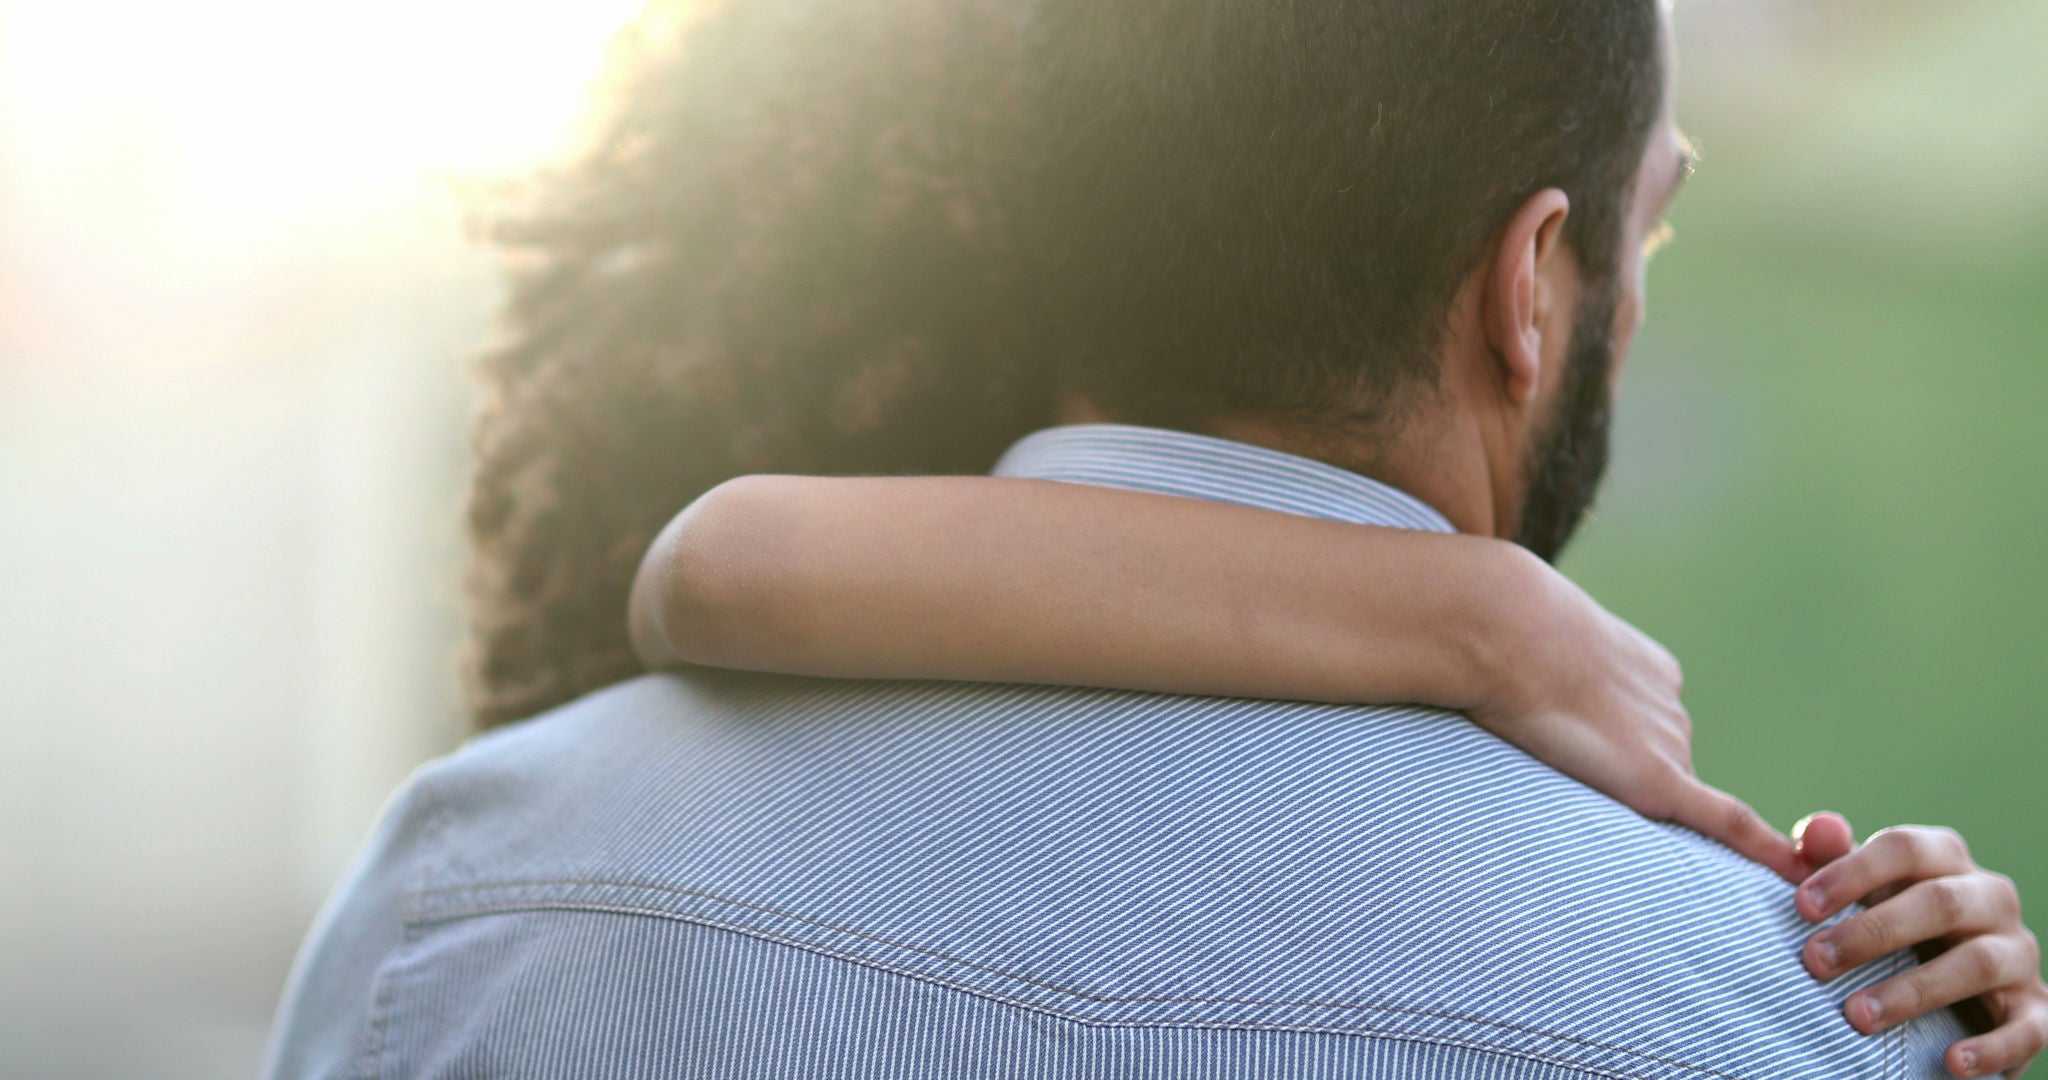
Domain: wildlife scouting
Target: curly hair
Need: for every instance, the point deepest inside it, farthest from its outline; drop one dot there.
(775, 259)
(875, 237)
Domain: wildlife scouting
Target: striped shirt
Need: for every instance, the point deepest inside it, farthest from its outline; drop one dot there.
(727, 875)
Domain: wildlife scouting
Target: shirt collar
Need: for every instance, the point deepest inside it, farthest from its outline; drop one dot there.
(1181, 463)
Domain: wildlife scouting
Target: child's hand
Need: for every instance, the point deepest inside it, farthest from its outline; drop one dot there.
(1595, 698)
(1923, 890)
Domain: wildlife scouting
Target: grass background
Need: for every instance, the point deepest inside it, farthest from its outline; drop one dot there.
(1829, 496)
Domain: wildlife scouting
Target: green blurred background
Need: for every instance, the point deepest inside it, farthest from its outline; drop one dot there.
(1830, 491)
(235, 295)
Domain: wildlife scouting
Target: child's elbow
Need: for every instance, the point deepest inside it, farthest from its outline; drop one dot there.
(714, 566)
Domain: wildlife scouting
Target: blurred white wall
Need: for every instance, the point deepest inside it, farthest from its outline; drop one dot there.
(235, 302)
(226, 620)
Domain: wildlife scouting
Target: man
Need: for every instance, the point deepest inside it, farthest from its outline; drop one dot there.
(1388, 257)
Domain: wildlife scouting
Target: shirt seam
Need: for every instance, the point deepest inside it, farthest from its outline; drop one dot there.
(1355, 1031)
(420, 916)
(376, 1041)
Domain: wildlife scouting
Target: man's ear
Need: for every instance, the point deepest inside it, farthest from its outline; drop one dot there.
(1520, 289)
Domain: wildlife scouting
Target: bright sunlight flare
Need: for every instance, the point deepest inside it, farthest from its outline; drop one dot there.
(261, 107)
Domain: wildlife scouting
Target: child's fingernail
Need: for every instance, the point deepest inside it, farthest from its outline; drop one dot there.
(1870, 1011)
(1815, 897)
(1825, 953)
(1967, 1062)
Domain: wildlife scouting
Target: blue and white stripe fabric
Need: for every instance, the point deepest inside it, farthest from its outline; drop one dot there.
(725, 875)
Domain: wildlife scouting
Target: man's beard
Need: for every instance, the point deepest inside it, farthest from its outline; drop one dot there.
(1571, 450)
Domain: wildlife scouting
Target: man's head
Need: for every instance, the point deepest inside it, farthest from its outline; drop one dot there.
(880, 235)
(1405, 236)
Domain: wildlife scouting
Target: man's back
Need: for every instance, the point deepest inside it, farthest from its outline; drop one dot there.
(727, 875)
(736, 876)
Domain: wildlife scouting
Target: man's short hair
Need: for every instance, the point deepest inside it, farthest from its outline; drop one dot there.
(1267, 206)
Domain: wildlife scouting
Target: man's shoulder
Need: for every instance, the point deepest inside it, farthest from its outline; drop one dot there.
(1122, 859)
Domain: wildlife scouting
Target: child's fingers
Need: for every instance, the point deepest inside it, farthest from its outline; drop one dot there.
(1724, 817)
(1929, 910)
(1972, 968)
(2014, 1043)
(1822, 838)
(1901, 855)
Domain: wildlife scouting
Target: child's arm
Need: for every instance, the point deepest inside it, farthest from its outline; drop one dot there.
(1007, 580)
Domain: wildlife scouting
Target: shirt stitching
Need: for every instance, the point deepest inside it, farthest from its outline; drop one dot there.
(1360, 1030)
(377, 1031)
(510, 906)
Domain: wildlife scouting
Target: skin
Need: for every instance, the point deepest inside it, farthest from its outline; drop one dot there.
(896, 578)
(1920, 889)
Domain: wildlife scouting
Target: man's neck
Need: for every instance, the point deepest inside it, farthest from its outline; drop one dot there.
(1422, 463)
